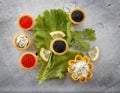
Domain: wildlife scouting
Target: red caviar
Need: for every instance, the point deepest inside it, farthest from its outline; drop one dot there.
(25, 22)
(28, 61)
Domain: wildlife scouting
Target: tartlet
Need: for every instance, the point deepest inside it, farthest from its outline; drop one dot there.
(28, 60)
(77, 16)
(25, 22)
(22, 48)
(59, 46)
(84, 64)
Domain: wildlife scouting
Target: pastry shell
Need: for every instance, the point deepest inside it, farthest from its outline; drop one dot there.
(30, 54)
(78, 9)
(59, 39)
(29, 42)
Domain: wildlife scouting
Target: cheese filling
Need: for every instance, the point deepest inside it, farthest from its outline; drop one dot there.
(80, 68)
(22, 41)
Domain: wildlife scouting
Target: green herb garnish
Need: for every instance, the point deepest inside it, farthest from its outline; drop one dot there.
(81, 38)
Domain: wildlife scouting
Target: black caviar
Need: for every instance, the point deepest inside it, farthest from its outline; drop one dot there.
(59, 46)
(77, 16)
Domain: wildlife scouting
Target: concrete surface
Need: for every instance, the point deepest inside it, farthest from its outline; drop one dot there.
(102, 15)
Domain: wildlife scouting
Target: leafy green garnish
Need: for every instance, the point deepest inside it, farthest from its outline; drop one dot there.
(81, 38)
(53, 20)
(89, 34)
(84, 45)
(56, 67)
(77, 35)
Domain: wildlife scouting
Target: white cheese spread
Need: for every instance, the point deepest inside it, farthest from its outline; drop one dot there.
(22, 41)
(80, 68)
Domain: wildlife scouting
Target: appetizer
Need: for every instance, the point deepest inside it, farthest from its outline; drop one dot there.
(28, 61)
(26, 22)
(59, 46)
(77, 16)
(22, 41)
(80, 68)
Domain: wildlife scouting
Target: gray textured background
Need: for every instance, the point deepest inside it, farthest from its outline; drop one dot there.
(102, 15)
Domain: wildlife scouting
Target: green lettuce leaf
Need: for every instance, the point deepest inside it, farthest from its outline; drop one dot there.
(56, 67)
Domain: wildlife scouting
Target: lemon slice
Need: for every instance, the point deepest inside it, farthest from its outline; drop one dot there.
(94, 54)
(57, 34)
(44, 54)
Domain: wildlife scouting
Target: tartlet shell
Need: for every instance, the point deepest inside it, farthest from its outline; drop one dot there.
(25, 29)
(81, 10)
(29, 42)
(22, 57)
(56, 53)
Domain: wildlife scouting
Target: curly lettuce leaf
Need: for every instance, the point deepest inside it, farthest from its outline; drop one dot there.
(56, 67)
(52, 20)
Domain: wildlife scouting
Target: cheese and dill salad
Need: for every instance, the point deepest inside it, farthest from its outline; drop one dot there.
(80, 68)
(22, 41)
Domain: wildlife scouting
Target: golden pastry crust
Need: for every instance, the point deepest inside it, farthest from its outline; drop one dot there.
(71, 62)
(59, 39)
(87, 59)
(83, 79)
(25, 29)
(26, 67)
(74, 77)
(81, 10)
(69, 70)
(78, 57)
(90, 66)
(90, 75)
(29, 42)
